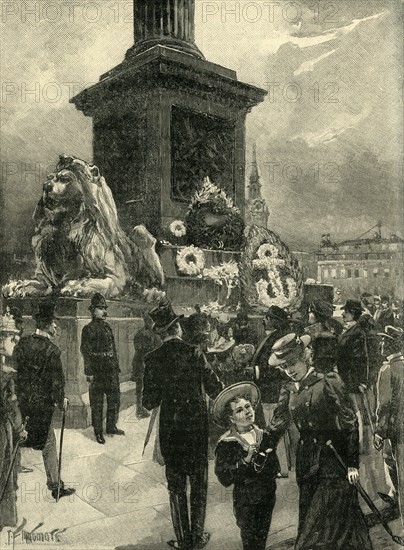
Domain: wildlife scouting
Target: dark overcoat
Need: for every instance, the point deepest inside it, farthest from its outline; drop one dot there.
(39, 385)
(329, 511)
(99, 350)
(352, 358)
(176, 378)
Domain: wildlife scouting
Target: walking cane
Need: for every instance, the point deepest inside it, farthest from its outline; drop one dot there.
(13, 457)
(60, 452)
(152, 421)
(397, 539)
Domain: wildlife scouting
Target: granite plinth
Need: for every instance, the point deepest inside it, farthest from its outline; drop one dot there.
(125, 320)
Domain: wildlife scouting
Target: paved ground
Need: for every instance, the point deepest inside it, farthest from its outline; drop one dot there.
(122, 502)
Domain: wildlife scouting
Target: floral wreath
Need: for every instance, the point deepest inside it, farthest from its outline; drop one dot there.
(190, 260)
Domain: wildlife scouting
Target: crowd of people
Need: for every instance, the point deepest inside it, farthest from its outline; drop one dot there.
(260, 400)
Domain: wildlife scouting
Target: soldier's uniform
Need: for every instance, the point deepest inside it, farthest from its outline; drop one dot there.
(101, 362)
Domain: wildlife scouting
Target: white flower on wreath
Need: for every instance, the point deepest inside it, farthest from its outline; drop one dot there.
(267, 250)
(190, 260)
(177, 228)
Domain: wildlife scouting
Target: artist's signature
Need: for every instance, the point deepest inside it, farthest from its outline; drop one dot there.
(23, 536)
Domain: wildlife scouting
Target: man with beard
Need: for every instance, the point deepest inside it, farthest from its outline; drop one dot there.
(40, 386)
(176, 378)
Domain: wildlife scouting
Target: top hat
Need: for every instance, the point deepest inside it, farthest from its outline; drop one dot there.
(244, 389)
(392, 333)
(353, 306)
(8, 323)
(98, 300)
(287, 349)
(45, 313)
(163, 317)
(321, 308)
(276, 313)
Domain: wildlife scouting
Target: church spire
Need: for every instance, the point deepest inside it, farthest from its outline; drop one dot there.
(254, 189)
(257, 212)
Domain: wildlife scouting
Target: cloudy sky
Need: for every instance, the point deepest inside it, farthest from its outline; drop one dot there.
(329, 134)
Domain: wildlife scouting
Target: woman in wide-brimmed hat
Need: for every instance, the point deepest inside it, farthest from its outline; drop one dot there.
(245, 457)
(318, 404)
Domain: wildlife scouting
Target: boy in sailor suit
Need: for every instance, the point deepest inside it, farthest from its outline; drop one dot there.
(246, 457)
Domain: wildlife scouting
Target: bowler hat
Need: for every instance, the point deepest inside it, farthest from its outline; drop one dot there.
(288, 348)
(45, 312)
(393, 333)
(98, 300)
(247, 389)
(276, 313)
(321, 308)
(163, 317)
(353, 306)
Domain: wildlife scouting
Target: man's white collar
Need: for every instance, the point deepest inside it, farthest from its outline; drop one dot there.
(40, 332)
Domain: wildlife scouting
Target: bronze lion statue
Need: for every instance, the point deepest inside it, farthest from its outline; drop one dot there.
(80, 247)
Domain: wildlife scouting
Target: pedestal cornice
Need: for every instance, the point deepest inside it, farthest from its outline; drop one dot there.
(167, 68)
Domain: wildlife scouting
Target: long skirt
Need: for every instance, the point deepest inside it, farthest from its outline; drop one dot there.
(330, 517)
(8, 508)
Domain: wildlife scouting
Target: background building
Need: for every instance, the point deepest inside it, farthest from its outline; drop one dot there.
(372, 264)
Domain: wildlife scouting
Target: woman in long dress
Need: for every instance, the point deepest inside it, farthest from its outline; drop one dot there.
(330, 517)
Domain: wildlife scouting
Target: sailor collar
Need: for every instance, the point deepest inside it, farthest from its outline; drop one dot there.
(233, 435)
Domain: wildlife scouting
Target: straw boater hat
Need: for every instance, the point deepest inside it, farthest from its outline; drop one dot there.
(287, 349)
(231, 392)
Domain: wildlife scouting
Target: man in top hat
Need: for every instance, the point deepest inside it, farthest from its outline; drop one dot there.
(11, 427)
(40, 386)
(389, 429)
(246, 458)
(176, 375)
(101, 368)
